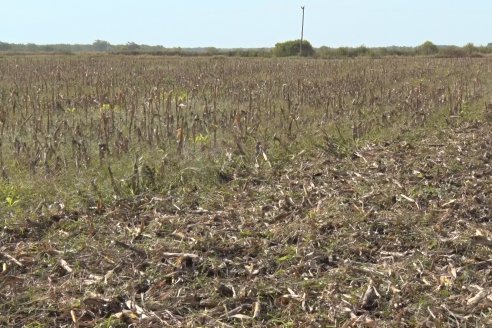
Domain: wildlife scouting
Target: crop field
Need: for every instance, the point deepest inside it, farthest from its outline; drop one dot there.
(147, 191)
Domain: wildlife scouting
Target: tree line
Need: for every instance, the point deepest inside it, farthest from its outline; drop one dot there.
(281, 49)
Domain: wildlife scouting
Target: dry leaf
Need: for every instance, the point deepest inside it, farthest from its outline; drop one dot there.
(241, 316)
(257, 309)
(65, 266)
(477, 298)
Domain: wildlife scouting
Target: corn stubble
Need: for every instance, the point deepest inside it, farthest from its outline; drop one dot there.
(60, 113)
(262, 192)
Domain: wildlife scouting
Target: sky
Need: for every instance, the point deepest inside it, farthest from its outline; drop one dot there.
(247, 23)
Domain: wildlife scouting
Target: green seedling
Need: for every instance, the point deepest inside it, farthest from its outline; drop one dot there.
(11, 201)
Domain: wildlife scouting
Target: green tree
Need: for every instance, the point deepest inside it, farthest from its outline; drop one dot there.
(132, 46)
(292, 48)
(343, 51)
(211, 51)
(4, 46)
(361, 51)
(32, 47)
(452, 52)
(427, 48)
(101, 45)
(470, 48)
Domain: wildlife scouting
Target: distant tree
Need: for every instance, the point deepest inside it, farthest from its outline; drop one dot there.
(427, 48)
(32, 47)
(4, 46)
(361, 51)
(452, 52)
(291, 48)
(484, 49)
(132, 46)
(47, 48)
(470, 48)
(211, 51)
(101, 45)
(343, 52)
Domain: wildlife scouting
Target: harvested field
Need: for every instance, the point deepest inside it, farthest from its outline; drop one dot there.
(245, 192)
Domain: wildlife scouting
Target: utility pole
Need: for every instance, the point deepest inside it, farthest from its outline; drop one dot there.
(302, 31)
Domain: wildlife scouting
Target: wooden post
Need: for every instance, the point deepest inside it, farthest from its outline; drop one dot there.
(302, 31)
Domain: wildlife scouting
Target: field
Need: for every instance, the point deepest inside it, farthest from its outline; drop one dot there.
(183, 192)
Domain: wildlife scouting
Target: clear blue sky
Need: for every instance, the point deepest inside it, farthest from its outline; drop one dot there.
(247, 23)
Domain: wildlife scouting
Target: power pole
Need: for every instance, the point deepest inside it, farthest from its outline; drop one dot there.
(302, 32)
